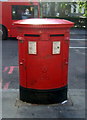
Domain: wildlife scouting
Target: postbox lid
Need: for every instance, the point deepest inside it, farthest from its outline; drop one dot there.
(40, 22)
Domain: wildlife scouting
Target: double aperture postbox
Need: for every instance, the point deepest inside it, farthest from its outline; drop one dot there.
(43, 59)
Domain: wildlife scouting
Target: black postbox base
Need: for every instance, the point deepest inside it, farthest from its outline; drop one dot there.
(43, 96)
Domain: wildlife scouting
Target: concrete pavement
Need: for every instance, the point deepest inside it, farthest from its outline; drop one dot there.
(14, 108)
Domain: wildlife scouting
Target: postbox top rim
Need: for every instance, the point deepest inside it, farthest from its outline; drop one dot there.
(43, 21)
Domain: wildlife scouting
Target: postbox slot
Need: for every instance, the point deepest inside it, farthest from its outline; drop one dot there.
(31, 35)
(55, 35)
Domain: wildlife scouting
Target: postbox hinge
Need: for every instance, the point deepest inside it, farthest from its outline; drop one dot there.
(66, 39)
(22, 63)
(65, 61)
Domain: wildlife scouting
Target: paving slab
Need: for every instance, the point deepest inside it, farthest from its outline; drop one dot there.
(12, 107)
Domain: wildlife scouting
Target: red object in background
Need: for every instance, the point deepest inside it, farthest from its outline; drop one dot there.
(12, 10)
(43, 59)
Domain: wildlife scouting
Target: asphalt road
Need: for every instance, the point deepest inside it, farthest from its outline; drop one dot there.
(76, 76)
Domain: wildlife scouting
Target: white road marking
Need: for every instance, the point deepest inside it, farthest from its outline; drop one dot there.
(79, 47)
(78, 39)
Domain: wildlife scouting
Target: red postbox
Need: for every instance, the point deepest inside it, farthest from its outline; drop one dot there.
(43, 59)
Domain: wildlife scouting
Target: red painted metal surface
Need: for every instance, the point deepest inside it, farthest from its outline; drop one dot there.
(37, 23)
(47, 68)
